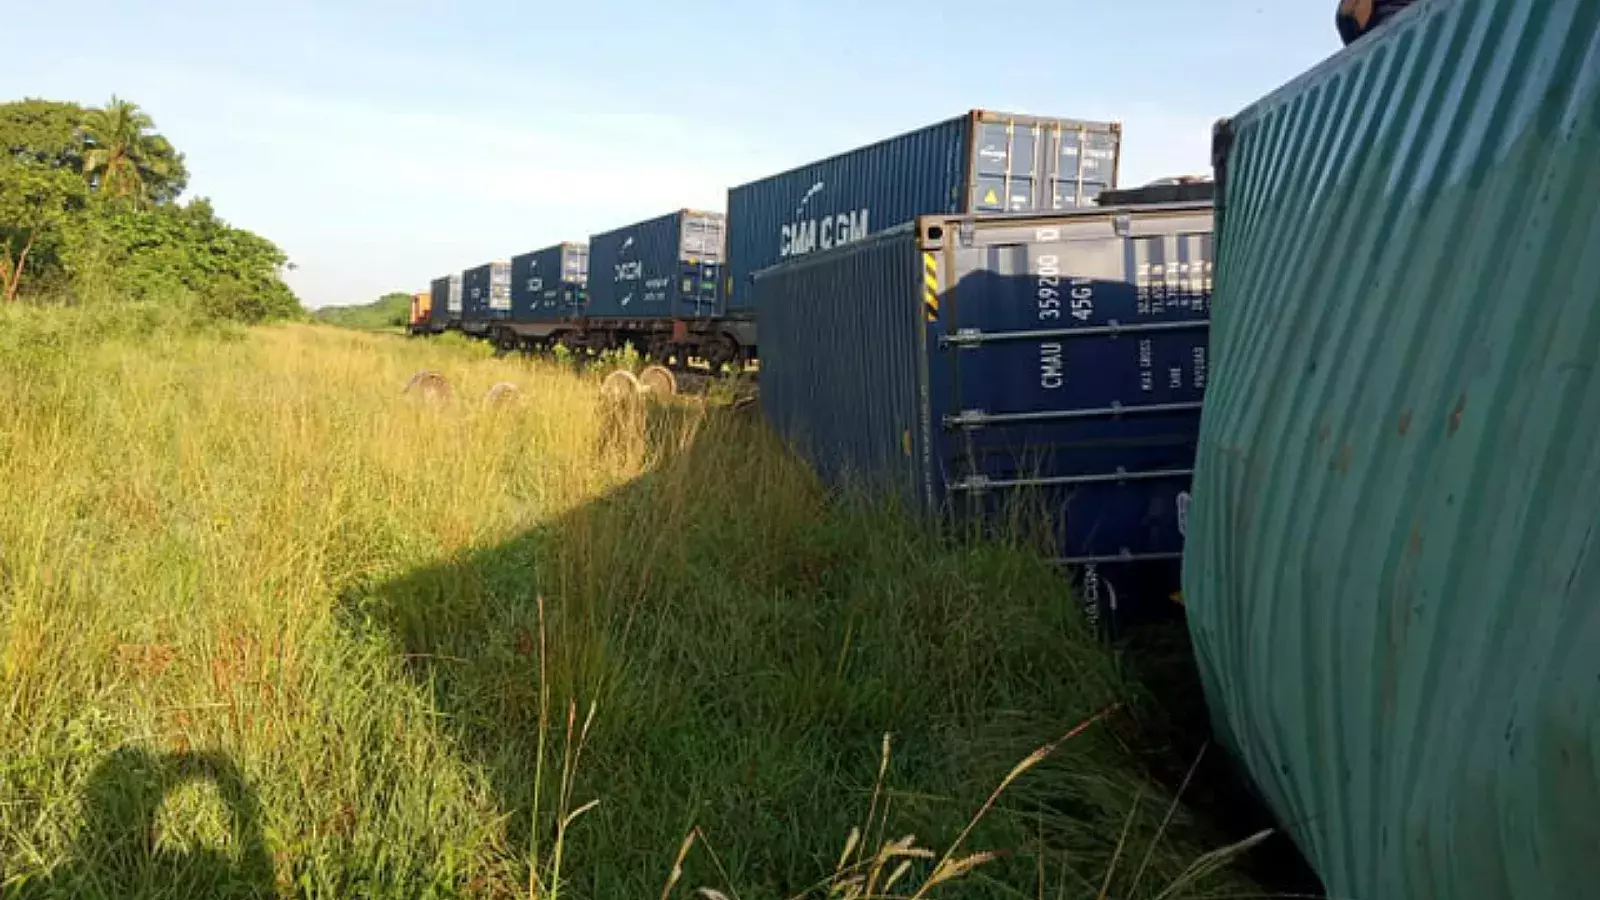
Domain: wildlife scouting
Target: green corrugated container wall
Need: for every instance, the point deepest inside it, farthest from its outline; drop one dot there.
(1393, 563)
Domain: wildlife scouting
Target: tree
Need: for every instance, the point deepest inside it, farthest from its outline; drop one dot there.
(165, 176)
(88, 213)
(173, 250)
(43, 132)
(123, 161)
(392, 310)
(37, 204)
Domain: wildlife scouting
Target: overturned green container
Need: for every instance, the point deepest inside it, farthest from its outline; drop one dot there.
(1393, 561)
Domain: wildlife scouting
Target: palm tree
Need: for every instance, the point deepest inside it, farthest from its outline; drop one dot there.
(121, 159)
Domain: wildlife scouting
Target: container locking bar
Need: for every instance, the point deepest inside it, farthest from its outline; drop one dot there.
(980, 483)
(977, 418)
(974, 337)
(1123, 557)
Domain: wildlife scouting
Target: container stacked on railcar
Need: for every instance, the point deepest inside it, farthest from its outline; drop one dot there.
(444, 310)
(662, 268)
(548, 285)
(982, 161)
(677, 287)
(420, 319)
(655, 285)
(485, 296)
(1001, 368)
(548, 294)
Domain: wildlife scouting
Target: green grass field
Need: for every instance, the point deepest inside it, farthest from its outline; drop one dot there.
(270, 626)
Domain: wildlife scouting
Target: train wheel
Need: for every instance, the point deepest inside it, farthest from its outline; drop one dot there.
(659, 380)
(620, 385)
(504, 390)
(430, 385)
(721, 352)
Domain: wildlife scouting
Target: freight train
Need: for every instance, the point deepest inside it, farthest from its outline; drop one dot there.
(972, 314)
(679, 285)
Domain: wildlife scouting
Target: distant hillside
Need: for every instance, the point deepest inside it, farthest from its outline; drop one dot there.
(389, 311)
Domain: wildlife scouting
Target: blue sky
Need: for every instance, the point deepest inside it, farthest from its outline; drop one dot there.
(383, 144)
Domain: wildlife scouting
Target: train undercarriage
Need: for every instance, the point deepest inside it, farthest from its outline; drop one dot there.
(675, 343)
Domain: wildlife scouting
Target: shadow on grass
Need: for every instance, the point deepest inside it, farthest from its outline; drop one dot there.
(1161, 657)
(119, 853)
(655, 606)
(746, 646)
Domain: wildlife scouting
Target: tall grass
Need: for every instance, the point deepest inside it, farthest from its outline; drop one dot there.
(270, 625)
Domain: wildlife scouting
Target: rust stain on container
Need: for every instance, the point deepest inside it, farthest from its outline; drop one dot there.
(1455, 414)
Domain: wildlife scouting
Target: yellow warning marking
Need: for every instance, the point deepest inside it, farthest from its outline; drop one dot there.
(930, 285)
(991, 198)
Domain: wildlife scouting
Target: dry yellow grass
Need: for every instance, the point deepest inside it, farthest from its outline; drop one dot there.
(270, 624)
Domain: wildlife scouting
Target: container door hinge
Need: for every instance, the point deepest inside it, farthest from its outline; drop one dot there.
(1122, 224)
(970, 419)
(967, 232)
(963, 337)
(972, 484)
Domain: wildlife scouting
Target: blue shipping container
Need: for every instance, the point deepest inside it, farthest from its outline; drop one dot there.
(446, 291)
(979, 162)
(995, 365)
(666, 267)
(486, 293)
(439, 308)
(548, 285)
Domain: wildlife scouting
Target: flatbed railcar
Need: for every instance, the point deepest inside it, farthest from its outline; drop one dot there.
(670, 342)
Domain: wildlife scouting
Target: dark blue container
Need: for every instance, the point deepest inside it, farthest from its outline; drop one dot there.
(485, 294)
(978, 162)
(667, 267)
(548, 285)
(439, 305)
(1010, 369)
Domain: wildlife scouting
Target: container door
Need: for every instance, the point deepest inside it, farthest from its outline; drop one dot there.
(500, 290)
(1039, 166)
(1006, 164)
(698, 290)
(1082, 164)
(1069, 370)
(702, 238)
(472, 299)
(575, 275)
